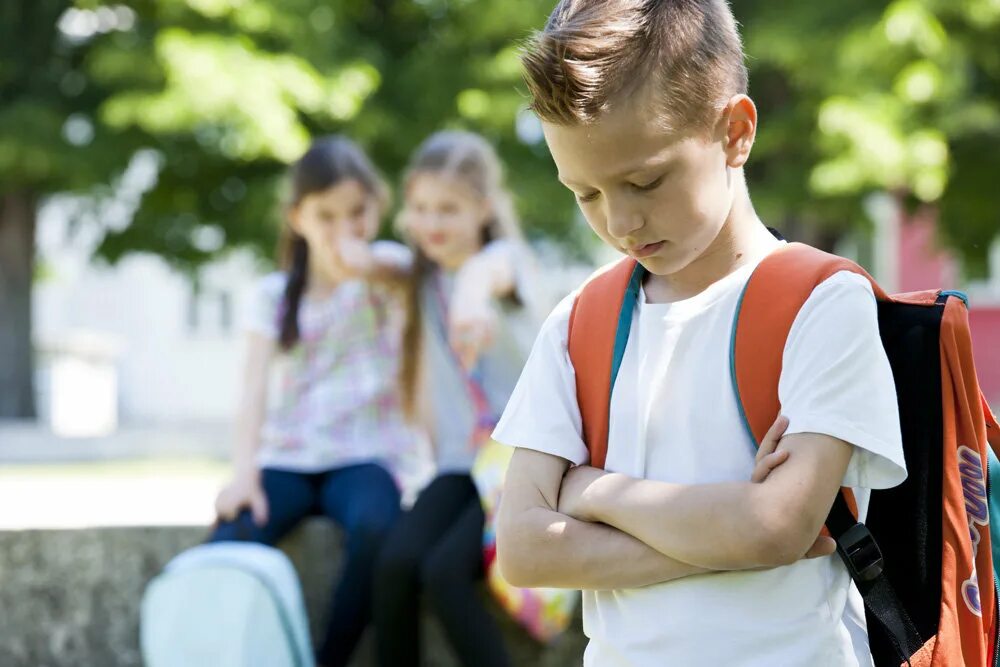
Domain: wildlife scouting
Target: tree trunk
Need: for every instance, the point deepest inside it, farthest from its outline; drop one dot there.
(17, 259)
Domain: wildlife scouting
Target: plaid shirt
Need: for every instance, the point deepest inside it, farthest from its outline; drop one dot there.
(334, 398)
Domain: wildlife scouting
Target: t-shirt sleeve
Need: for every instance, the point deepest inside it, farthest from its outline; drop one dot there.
(542, 413)
(263, 310)
(836, 380)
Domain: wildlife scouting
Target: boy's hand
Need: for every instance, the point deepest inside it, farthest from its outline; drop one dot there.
(768, 458)
(244, 491)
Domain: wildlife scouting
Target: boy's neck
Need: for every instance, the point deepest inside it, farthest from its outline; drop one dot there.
(742, 239)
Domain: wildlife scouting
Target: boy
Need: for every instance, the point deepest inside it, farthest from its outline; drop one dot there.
(683, 561)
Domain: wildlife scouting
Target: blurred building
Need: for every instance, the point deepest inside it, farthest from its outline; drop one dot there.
(134, 343)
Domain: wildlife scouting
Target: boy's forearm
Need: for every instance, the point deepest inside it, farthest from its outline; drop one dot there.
(721, 526)
(716, 526)
(549, 549)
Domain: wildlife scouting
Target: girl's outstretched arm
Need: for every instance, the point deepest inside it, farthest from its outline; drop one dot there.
(488, 275)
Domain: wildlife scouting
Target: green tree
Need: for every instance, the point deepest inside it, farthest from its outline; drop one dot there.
(225, 93)
(48, 143)
(900, 96)
(856, 97)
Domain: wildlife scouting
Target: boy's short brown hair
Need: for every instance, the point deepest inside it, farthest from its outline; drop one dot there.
(593, 53)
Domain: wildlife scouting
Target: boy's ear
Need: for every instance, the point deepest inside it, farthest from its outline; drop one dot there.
(740, 119)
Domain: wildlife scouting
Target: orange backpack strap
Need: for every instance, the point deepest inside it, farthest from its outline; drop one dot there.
(772, 298)
(603, 307)
(774, 295)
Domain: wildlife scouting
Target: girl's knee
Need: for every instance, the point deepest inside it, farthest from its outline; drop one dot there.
(240, 529)
(371, 530)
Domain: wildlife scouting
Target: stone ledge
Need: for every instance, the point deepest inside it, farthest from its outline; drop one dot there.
(71, 597)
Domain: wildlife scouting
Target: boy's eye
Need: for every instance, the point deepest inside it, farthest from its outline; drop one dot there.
(589, 197)
(649, 186)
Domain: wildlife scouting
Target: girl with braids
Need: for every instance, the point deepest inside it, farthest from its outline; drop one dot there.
(459, 368)
(329, 327)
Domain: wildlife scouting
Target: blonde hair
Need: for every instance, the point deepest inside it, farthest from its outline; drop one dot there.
(595, 53)
(469, 159)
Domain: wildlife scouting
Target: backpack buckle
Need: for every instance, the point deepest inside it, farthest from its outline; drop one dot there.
(861, 554)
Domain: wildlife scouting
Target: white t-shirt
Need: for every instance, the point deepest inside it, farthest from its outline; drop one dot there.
(674, 418)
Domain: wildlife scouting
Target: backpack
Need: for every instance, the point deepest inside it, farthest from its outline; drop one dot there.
(924, 558)
(226, 604)
(544, 612)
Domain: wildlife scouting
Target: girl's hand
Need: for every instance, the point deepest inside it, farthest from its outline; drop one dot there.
(473, 318)
(244, 491)
(355, 257)
(472, 329)
(768, 459)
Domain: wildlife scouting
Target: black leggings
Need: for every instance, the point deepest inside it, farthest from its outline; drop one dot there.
(436, 549)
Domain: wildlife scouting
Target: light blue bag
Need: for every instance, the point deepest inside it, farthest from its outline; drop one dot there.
(226, 604)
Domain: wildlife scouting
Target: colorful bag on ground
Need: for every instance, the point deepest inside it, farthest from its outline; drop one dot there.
(924, 558)
(544, 612)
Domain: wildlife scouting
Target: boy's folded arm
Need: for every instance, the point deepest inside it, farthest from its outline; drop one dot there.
(728, 526)
(539, 547)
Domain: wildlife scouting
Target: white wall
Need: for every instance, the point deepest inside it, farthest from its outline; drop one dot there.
(172, 366)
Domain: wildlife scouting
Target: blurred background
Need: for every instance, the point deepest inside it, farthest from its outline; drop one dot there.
(142, 148)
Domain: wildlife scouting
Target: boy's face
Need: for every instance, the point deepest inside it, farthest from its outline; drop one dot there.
(660, 197)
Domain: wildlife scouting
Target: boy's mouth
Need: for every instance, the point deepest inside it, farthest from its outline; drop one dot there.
(646, 250)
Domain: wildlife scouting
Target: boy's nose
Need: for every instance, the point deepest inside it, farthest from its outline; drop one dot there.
(623, 221)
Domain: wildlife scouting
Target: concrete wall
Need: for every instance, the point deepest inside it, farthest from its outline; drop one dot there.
(71, 597)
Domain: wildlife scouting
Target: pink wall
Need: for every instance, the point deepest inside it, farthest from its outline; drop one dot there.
(985, 324)
(921, 265)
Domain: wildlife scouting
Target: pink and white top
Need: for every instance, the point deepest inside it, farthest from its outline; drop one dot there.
(334, 398)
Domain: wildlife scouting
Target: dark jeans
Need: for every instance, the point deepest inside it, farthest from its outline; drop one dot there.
(436, 549)
(364, 500)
